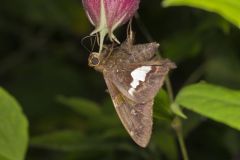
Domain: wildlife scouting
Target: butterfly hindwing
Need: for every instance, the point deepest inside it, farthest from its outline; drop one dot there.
(136, 117)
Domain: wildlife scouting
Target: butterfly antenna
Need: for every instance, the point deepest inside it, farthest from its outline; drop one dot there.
(84, 46)
(94, 42)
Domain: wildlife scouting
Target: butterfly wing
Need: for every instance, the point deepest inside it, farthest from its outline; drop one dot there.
(139, 53)
(136, 117)
(141, 82)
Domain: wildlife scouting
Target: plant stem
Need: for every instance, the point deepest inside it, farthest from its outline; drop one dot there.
(169, 88)
(177, 123)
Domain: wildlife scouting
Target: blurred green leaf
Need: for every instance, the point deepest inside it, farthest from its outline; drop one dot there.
(176, 109)
(222, 69)
(82, 106)
(231, 141)
(13, 128)
(182, 45)
(165, 141)
(55, 13)
(218, 103)
(3, 158)
(229, 9)
(62, 140)
(161, 108)
(73, 140)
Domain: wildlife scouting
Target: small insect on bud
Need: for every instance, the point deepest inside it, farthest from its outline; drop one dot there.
(107, 15)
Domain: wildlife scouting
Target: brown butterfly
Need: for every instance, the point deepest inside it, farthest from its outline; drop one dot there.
(134, 75)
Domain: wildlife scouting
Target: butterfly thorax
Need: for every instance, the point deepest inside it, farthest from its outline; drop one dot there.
(109, 59)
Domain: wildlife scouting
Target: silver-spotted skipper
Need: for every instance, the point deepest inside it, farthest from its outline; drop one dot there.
(134, 75)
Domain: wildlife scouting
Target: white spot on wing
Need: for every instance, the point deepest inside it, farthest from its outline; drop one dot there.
(131, 90)
(139, 74)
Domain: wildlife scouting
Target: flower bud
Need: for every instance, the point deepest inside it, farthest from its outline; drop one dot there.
(107, 15)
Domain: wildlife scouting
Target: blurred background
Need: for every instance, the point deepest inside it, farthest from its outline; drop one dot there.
(71, 117)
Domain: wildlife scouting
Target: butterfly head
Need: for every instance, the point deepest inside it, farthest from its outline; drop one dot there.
(99, 60)
(94, 59)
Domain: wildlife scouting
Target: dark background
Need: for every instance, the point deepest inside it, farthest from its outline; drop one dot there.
(44, 65)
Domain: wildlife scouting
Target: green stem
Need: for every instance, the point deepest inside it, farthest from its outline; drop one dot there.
(169, 88)
(177, 123)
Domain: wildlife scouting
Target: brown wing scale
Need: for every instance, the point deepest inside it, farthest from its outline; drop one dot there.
(146, 90)
(136, 117)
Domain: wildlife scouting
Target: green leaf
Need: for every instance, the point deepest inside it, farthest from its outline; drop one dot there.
(73, 140)
(166, 143)
(13, 128)
(182, 45)
(62, 140)
(176, 109)
(229, 9)
(218, 103)
(3, 158)
(161, 108)
(82, 106)
(231, 141)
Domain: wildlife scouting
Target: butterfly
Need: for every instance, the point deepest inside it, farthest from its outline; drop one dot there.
(133, 75)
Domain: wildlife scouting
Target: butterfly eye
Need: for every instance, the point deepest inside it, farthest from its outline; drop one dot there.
(93, 60)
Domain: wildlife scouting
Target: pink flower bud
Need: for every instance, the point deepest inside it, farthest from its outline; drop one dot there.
(107, 15)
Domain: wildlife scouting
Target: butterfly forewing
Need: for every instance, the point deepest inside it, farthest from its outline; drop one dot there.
(140, 53)
(140, 83)
(136, 117)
